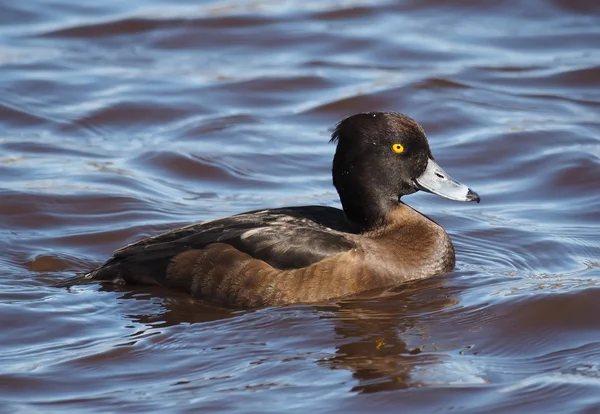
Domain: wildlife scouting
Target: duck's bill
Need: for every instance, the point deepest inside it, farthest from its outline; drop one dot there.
(435, 180)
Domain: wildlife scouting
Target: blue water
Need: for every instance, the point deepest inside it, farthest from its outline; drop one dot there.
(119, 120)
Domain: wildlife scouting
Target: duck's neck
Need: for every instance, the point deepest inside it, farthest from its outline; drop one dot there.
(368, 208)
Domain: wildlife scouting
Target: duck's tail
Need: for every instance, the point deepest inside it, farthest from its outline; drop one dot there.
(88, 278)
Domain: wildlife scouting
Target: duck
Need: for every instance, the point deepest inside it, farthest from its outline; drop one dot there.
(311, 254)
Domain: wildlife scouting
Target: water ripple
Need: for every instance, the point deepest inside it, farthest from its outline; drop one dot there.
(121, 120)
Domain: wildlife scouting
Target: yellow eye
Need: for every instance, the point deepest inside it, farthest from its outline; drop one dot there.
(398, 148)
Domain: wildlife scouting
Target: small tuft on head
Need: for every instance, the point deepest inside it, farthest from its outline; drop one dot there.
(335, 136)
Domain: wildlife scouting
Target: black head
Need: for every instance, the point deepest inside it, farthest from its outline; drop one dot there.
(380, 157)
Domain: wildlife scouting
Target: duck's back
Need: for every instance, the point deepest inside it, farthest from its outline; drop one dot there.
(285, 238)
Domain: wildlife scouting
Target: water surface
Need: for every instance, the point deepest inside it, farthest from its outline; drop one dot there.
(122, 119)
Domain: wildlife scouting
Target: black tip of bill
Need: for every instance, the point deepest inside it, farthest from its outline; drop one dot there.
(473, 196)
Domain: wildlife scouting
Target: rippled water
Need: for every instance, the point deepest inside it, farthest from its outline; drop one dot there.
(122, 119)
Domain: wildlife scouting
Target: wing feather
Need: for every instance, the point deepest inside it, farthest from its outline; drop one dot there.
(288, 238)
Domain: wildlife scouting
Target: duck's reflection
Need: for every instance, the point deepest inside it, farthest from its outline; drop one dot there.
(386, 338)
(381, 336)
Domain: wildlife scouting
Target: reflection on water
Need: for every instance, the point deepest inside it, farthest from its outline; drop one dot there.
(120, 120)
(386, 349)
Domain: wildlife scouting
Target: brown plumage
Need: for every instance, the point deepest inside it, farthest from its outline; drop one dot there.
(313, 253)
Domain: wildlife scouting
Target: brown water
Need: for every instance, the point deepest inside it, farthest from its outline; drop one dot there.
(121, 119)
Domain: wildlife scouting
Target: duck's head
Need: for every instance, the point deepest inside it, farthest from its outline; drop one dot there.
(382, 156)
